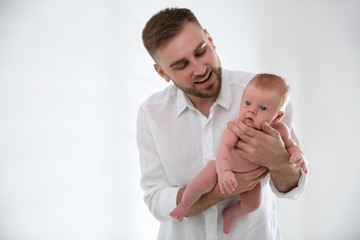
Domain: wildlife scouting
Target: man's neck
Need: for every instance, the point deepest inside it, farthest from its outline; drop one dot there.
(203, 104)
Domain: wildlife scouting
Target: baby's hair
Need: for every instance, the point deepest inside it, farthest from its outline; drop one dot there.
(267, 81)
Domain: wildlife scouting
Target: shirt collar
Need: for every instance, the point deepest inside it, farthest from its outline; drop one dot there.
(224, 98)
(182, 102)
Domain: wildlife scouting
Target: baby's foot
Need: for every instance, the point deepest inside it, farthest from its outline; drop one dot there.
(179, 212)
(228, 221)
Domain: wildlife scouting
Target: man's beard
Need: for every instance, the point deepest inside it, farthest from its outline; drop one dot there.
(210, 91)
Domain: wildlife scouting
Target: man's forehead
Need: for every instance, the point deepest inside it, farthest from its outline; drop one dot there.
(188, 40)
(175, 62)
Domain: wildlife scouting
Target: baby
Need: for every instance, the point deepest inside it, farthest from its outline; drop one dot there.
(264, 99)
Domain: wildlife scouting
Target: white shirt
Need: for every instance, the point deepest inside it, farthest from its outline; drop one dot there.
(176, 141)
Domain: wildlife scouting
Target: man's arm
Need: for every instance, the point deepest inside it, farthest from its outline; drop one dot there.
(246, 182)
(266, 148)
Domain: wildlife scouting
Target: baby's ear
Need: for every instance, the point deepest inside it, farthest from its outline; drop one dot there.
(278, 117)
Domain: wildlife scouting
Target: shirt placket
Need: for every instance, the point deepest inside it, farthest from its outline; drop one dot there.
(207, 143)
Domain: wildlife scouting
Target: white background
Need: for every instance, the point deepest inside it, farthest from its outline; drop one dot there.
(73, 74)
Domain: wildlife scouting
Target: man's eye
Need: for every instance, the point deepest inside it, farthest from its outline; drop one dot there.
(247, 103)
(198, 54)
(182, 66)
(262, 108)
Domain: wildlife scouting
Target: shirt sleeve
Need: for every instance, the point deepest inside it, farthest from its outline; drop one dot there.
(159, 196)
(297, 191)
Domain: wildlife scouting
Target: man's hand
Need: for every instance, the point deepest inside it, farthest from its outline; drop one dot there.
(266, 148)
(245, 182)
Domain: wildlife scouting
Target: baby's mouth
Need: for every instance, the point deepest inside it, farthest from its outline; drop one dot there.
(249, 122)
(250, 119)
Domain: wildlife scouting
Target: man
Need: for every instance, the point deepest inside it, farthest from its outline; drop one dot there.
(179, 129)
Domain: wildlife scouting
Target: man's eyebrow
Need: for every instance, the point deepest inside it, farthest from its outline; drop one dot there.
(201, 45)
(177, 62)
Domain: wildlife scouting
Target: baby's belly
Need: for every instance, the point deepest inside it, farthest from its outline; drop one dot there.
(239, 164)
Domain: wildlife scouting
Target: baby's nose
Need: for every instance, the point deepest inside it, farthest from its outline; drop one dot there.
(252, 110)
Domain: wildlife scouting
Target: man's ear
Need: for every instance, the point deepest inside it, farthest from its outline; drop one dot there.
(210, 38)
(161, 72)
(278, 117)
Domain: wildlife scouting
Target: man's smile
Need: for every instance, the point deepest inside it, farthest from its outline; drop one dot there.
(205, 79)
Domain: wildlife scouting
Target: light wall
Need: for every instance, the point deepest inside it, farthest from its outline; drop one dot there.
(73, 74)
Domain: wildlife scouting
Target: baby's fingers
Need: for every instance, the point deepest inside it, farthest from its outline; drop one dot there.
(230, 185)
(295, 158)
(227, 187)
(303, 166)
(222, 188)
(234, 183)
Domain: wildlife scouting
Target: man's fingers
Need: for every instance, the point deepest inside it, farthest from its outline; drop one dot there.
(263, 175)
(256, 180)
(242, 131)
(241, 146)
(248, 131)
(269, 130)
(259, 173)
(235, 129)
(252, 185)
(252, 177)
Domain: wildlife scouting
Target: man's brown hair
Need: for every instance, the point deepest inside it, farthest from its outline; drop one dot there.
(164, 26)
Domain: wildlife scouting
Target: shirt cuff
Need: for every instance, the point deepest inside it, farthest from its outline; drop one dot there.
(295, 192)
(167, 202)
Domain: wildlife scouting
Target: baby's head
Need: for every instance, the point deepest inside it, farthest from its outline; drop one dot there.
(264, 99)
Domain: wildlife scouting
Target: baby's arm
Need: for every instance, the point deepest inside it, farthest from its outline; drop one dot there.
(226, 177)
(296, 155)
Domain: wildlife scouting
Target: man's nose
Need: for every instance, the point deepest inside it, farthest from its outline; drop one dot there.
(199, 69)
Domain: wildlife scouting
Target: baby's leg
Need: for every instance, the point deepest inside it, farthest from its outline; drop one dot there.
(249, 201)
(201, 184)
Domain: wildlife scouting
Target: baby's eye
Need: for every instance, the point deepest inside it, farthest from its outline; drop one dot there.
(247, 103)
(262, 108)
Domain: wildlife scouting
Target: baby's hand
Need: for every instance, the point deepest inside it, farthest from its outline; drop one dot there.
(227, 181)
(299, 159)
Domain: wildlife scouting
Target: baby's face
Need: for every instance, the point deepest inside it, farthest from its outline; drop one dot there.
(258, 106)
